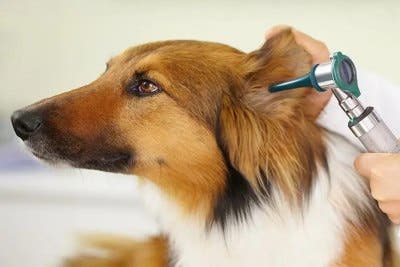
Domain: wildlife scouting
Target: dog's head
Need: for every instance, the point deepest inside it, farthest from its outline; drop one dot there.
(193, 117)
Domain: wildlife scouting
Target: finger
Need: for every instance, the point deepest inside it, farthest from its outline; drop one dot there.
(367, 162)
(394, 219)
(383, 172)
(385, 188)
(390, 207)
(384, 175)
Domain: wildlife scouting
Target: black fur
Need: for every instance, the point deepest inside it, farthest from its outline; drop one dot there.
(236, 200)
(239, 197)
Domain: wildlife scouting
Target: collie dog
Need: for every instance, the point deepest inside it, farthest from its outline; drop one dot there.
(235, 175)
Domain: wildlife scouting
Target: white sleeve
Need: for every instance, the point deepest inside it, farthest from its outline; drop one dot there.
(375, 91)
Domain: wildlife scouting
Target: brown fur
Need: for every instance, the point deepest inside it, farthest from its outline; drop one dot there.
(361, 249)
(214, 108)
(123, 252)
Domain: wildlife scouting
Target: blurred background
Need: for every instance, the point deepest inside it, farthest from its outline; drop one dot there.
(48, 46)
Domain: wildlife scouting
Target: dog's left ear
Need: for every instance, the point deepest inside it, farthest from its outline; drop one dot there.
(261, 132)
(280, 59)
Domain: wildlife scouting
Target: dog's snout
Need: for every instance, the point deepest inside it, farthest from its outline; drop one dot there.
(26, 123)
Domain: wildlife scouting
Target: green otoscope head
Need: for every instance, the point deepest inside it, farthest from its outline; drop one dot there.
(340, 73)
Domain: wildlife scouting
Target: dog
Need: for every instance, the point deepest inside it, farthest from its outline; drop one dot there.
(235, 175)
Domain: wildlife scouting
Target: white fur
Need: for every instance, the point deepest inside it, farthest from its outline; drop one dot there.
(273, 237)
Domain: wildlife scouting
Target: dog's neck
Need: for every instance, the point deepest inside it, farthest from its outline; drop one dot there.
(270, 231)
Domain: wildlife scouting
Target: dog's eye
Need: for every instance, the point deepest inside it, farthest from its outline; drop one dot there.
(144, 88)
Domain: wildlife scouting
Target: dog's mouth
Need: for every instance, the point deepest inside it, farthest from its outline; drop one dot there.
(42, 157)
(111, 161)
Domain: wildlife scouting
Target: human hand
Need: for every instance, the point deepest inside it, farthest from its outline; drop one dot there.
(383, 172)
(319, 53)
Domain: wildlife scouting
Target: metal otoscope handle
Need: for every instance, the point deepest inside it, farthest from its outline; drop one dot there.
(380, 139)
(367, 125)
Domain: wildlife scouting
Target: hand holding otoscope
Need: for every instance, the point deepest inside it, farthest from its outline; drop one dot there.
(382, 170)
(339, 75)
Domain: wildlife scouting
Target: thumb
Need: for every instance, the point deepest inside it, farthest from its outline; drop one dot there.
(366, 162)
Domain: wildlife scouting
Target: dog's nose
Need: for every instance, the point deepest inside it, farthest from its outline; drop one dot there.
(26, 123)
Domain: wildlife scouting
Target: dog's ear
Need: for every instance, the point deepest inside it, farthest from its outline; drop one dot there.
(271, 136)
(281, 58)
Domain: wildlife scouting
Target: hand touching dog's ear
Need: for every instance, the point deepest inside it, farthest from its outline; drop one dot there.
(319, 53)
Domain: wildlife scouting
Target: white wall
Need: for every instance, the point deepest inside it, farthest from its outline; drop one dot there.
(48, 46)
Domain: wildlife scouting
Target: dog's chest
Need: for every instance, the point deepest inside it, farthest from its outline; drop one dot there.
(265, 240)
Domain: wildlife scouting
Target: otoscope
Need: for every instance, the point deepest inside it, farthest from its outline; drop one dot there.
(339, 75)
